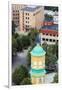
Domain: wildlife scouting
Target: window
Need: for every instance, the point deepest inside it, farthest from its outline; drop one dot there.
(26, 21)
(27, 25)
(50, 34)
(57, 40)
(13, 10)
(46, 39)
(26, 17)
(43, 33)
(43, 39)
(53, 40)
(54, 35)
(50, 40)
(47, 34)
(27, 13)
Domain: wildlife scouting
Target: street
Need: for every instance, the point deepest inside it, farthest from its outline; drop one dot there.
(20, 59)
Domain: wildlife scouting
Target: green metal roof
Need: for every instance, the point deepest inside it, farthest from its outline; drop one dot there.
(38, 51)
(38, 73)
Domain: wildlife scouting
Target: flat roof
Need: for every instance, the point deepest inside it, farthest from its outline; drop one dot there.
(54, 32)
(52, 27)
(30, 8)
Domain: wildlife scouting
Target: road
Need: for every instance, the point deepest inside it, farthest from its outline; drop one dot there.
(20, 59)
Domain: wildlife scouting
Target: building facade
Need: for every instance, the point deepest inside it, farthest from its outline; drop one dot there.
(31, 17)
(37, 65)
(49, 35)
(55, 17)
(15, 12)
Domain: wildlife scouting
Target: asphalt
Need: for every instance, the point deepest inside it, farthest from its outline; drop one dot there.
(20, 59)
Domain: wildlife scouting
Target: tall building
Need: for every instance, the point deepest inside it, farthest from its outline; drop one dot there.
(15, 12)
(31, 17)
(38, 65)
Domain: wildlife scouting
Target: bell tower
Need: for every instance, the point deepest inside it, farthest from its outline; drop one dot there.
(38, 65)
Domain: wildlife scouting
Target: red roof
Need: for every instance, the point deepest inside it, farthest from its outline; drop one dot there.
(54, 32)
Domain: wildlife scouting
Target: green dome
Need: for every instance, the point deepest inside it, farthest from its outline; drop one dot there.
(38, 51)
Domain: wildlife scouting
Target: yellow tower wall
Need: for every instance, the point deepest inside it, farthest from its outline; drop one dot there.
(38, 62)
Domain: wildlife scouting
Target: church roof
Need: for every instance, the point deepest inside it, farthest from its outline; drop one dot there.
(38, 51)
(37, 73)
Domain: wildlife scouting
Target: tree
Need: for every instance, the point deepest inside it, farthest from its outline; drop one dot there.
(50, 57)
(13, 27)
(32, 35)
(20, 44)
(26, 81)
(48, 17)
(19, 74)
(55, 78)
(45, 46)
(16, 35)
(50, 62)
(14, 46)
(25, 41)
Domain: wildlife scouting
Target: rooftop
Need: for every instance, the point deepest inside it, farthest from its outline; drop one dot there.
(30, 8)
(54, 32)
(38, 51)
(52, 27)
(38, 73)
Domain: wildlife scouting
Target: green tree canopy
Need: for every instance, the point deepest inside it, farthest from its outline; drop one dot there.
(32, 35)
(25, 41)
(26, 81)
(19, 74)
(55, 78)
(14, 46)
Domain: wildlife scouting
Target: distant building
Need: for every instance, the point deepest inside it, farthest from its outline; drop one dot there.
(55, 18)
(49, 34)
(49, 12)
(15, 12)
(52, 13)
(31, 17)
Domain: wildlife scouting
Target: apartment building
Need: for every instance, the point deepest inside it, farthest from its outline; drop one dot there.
(49, 34)
(31, 17)
(15, 12)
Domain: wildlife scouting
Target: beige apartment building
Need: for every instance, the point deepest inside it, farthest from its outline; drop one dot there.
(31, 17)
(15, 12)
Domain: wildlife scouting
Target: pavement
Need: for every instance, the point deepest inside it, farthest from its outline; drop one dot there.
(20, 59)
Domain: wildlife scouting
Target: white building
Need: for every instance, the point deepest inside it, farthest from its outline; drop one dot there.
(49, 36)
